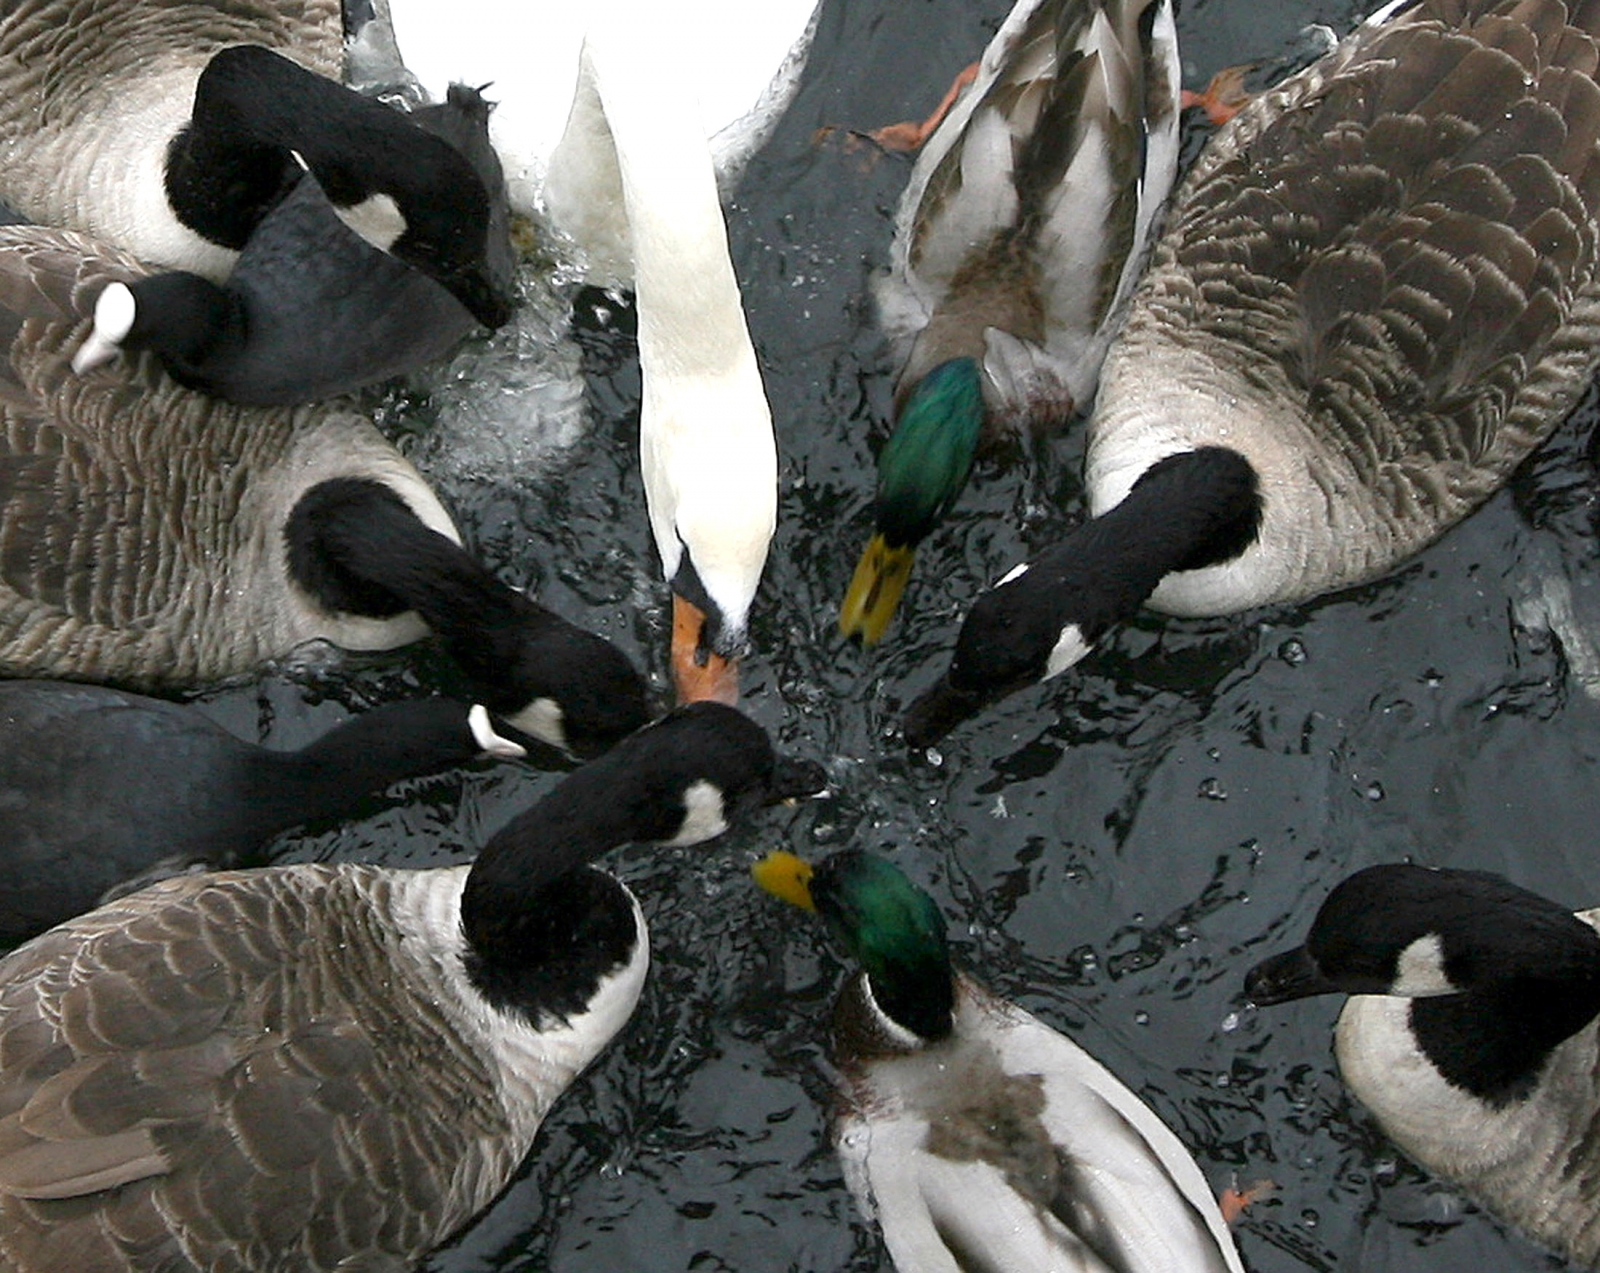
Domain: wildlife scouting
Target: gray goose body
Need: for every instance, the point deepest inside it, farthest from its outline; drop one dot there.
(312, 1068)
(157, 537)
(171, 128)
(1380, 286)
(1376, 293)
(102, 788)
(238, 1023)
(94, 92)
(140, 522)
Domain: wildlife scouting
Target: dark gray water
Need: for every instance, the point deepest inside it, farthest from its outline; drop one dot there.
(1112, 850)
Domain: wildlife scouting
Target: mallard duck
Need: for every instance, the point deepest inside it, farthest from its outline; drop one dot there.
(1469, 1033)
(170, 129)
(335, 1067)
(976, 1135)
(1025, 223)
(631, 181)
(310, 308)
(154, 536)
(101, 787)
(1374, 296)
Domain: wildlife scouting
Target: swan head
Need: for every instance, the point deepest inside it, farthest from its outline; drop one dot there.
(710, 468)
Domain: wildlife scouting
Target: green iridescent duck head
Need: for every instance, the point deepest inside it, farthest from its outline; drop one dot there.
(921, 471)
(891, 927)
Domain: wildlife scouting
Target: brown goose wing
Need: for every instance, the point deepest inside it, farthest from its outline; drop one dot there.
(1411, 251)
(233, 1068)
(120, 492)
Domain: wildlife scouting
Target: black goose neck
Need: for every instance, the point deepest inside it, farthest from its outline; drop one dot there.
(529, 885)
(189, 322)
(1497, 976)
(1496, 1041)
(358, 548)
(1186, 512)
(1190, 510)
(546, 960)
(255, 110)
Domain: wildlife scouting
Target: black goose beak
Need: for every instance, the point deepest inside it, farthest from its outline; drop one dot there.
(793, 778)
(1285, 977)
(937, 711)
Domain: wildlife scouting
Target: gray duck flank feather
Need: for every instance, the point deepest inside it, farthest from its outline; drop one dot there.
(1379, 284)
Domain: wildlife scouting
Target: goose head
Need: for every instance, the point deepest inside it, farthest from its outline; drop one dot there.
(403, 183)
(1495, 976)
(311, 309)
(354, 546)
(1187, 511)
(680, 781)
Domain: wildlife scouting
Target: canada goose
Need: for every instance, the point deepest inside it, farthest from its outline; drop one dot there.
(171, 129)
(335, 1067)
(1469, 1033)
(632, 182)
(100, 787)
(975, 1134)
(1017, 243)
(1374, 296)
(310, 308)
(153, 536)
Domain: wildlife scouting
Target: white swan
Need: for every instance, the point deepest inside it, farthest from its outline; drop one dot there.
(737, 61)
(632, 180)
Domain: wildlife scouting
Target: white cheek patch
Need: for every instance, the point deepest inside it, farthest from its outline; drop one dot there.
(1016, 572)
(1420, 970)
(1068, 650)
(377, 219)
(703, 816)
(489, 742)
(541, 719)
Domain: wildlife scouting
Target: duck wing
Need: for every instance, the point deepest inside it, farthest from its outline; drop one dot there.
(1009, 1147)
(1028, 214)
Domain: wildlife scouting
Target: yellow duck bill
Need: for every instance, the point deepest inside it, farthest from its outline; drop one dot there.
(875, 590)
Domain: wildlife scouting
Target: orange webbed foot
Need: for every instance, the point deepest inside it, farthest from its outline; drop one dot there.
(910, 134)
(1234, 1201)
(1224, 97)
